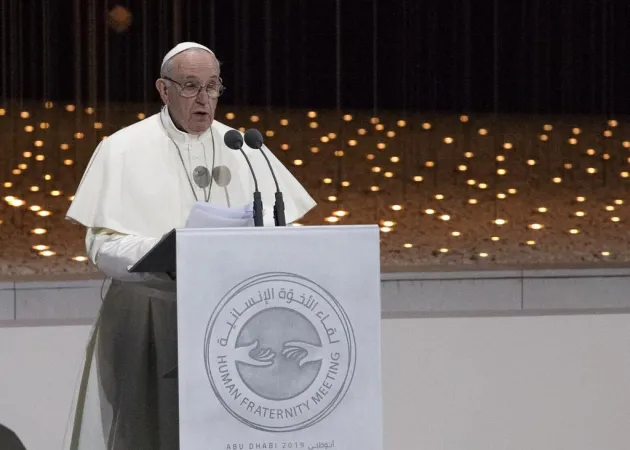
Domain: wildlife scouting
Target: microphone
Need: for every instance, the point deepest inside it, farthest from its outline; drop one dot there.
(222, 177)
(254, 139)
(234, 140)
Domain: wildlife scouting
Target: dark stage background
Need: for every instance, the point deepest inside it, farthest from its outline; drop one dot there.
(528, 56)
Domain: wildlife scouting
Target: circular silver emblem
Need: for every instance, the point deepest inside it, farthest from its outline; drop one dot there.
(279, 352)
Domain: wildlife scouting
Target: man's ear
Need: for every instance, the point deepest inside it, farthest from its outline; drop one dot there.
(160, 85)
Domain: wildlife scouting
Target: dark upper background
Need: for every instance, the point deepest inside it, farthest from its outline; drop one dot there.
(530, 56)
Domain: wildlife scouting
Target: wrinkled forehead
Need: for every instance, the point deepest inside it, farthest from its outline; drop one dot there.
(197, 64)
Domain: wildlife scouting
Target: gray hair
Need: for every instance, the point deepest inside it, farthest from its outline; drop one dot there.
(167, 68)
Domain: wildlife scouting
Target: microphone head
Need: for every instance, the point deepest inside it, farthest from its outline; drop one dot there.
(233, 139)
(222, 175)
(253, 138)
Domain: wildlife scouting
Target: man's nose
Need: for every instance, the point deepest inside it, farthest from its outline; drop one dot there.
(203, 97)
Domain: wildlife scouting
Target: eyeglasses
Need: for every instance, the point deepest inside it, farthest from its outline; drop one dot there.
(192, 89)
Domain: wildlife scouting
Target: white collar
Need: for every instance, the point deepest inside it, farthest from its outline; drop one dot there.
(178, 135)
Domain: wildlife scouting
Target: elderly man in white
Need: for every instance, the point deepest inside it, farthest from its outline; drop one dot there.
(142, 182)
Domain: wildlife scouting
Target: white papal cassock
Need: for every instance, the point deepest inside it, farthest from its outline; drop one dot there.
(138, 186)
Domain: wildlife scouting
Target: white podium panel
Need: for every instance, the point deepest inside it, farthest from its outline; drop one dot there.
(279, 334)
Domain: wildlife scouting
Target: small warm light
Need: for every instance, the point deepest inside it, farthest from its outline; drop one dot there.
(254, 118)
(296, 224)
(298, 162)
(429, 211)
(386, 229)
(79, 135)
(64, 146)
(607, 133)
(284, 122)
(455, 233)
(495, 238)
(625, 174)
(463, 118)
(394, 159)
(71, 198)
(535, 226)
(47, 253)
(68, 162)
(626, 144)
(471, 182)
(618, 202)
(38, 143)
(241, 129)
(580, 213)
(44, 213)
(396, 207)
(70, 108)
(7, 184)
(609, 208)
(531, 242)
(543, 137)
(388, 174)
(327, 180)
(401, 123)
(483, 185)
(542, 209)
(25, 115)
(501, 172)
(445, 217)
(80, 258)
(44, 125)
(615, 219)
(375, 188)
(472, 201)
(22, 166)
(501, 195)
(141, 116)
(426, 126)
(469, 154)
(17, 203)
(448, 140)
(284, 147)
(376, 169)
(314, 149)
(339, 153)
(47, 177)
(512, 191)
(29, 128)
(2, 111)
(576, 131)
(590, 152)
(16, 171)
(500, 222)
(89, 110)
(370, 156)
(332, 136)
(374, 120)
(418, 178)
(483, 131)
(444, 250)
(391, 134)
(547, 127)
(483, 255)
(39, 231)
(573, 141)
(612, 123)
(48, 105)
(407, 245)
(340, 213)
(381, 145)
(27, 154)
(591, 170)
(311, 114)
(574, 231)
(500, 158)
(568, 166)
(270, 133)
(40, 247)
(55, 193)
(462, 168)
(352, 142)
(347, 117)
(507, 145)
(324, 139)
(35, 208)
(388, 223)
(605, 253)
(557, 180)
(429, 164)
(345, 183)
(332, 198)
(580, 199)
(230, 116)
(606, 156)
(361, 131)
(439, 196)
(34, 188)
(332, 219)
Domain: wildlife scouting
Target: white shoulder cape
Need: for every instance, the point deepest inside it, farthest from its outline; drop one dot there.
(136, 184)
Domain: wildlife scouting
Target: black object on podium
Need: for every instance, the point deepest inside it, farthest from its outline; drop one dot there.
(162, 258)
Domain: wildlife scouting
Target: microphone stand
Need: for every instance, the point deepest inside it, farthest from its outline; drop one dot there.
(258, 207)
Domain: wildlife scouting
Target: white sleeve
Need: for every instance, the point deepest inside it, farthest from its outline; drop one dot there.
(112, 253)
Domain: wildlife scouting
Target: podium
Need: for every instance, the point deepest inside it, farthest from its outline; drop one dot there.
(279, 336)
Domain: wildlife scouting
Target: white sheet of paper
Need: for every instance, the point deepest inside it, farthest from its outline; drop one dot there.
(205, 215)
